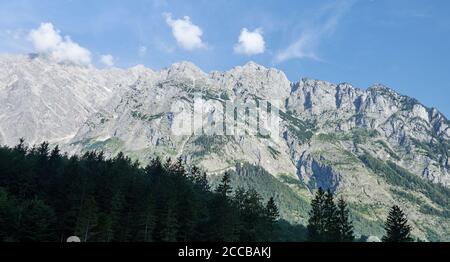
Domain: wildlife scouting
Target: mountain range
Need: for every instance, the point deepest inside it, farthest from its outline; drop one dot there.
(374, 146)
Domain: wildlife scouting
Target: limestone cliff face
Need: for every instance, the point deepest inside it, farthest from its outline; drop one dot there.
(42, 100)
(375, 147)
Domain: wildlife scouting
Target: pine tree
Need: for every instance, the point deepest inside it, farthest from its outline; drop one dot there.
(252, 217)
(8, 221)
(110, 221)
(345, 226)
(170, 229)
(224, 187)
(316, 222)
(222, 224)
(43, 151)
(148, 219)
(396, 226)
(4, 214)
(37, 222)
(272, 214)
(21, 147)
(200, 179)
(177, 168)
(87, 220)
(154, 168)
(272, 210)
(329, 222)
(331, 230)
(55, 154)
(167, 165)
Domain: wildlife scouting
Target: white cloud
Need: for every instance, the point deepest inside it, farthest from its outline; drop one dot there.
(306, 45)
(250, 43)
(142, 51)
(188, 35)
(45, 38)
(107, 60)
(48, 41)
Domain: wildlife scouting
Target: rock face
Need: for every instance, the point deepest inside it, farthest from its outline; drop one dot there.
(41, 100)
(375, 147)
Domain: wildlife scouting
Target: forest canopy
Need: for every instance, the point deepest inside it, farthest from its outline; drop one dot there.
(49, 196)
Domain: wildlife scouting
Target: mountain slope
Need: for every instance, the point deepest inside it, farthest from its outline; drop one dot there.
(375, 147)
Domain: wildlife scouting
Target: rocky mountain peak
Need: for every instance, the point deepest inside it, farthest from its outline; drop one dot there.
(268, 83)
(381, 89)
(184, 69)
(250, 65)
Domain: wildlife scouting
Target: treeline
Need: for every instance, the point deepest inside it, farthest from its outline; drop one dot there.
(329, 221)
(47, 196)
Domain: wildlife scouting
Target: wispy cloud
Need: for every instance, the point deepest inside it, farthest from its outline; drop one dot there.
(142, 50)
(322, 26)
(13, 41)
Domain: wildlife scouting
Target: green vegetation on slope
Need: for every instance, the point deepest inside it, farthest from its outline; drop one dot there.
(208, 144)
(357, 135)
(145, 117)
(292, 206)
(302, 130)
(400, 177)
(435, 149)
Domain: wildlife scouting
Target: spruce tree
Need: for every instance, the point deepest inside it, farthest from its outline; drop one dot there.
(37, 223)
(327, 221)
(170, 229)
(154, 168)
(252, 217)
(224, 187)
(106, 230)
(148, 219)
(8, 217)
(110, 221)
(177, 167)
(316, 222)
(200, 179)
(272, 210)
(223, 218)
(345, 226)
(87, 220)
(272, 214)
(21, 147)
(396, 226)
(331, 230)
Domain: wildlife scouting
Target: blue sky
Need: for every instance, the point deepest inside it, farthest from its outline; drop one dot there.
(404, 44)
